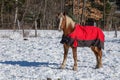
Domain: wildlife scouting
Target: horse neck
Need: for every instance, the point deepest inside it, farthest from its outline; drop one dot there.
(69, 27)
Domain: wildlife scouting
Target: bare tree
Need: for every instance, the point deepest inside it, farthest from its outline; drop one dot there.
(16, 15)
(15, 12)
(83, 10)
(2, 7)
(44, 13)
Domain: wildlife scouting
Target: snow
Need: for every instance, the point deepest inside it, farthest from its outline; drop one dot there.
(40, 58)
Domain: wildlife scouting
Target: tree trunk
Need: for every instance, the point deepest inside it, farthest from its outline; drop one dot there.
(115, 30)
(44, 16)
(35, 28)
(2, 7)
(83, 16)
(22, 21)
(16, 15)
(104, 14)
(18, 24)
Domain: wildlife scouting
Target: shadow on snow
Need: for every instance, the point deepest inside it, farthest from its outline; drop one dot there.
(30, 64)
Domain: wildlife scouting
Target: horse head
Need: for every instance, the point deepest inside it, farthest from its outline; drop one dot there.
(65, 23)
(62, 21)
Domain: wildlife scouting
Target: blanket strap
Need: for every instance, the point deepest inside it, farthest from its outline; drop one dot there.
(75, 44)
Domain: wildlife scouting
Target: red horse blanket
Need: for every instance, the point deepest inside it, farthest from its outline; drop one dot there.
(85, 36)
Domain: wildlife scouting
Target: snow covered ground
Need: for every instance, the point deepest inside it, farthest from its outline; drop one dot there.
(40, 58)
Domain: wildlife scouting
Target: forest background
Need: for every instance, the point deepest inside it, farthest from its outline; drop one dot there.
(41, 14)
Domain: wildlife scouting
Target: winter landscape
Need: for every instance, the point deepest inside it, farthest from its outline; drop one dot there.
(40, 58)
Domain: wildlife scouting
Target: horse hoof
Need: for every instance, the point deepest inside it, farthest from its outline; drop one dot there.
(75, 68)
(98, 66)
(62, 67)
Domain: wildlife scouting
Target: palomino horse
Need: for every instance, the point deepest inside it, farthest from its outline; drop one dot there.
(93, 38)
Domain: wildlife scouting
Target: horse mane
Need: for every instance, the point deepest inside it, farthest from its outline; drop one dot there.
(69, 21)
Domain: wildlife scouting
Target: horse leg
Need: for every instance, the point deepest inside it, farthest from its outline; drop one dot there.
(75, 67)
(66, 48)
(98, 54)
(93, 49)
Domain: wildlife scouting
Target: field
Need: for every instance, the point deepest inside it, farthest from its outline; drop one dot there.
(40, 58)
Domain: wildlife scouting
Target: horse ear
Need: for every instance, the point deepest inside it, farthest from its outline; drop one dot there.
(58, 14)
(64, 13)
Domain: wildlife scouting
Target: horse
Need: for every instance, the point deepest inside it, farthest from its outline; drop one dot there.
(67, 25)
